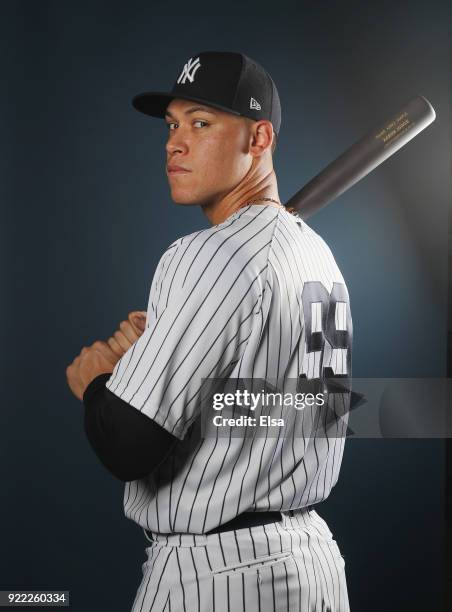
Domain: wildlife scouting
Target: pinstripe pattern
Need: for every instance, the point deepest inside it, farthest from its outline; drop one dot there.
(291, 566)
(232, 300)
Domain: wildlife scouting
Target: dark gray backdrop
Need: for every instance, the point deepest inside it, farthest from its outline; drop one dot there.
(86, 215)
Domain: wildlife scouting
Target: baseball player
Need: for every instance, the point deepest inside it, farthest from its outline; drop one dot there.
(228, 510)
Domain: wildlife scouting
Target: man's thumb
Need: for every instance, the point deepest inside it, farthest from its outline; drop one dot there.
(139, 320)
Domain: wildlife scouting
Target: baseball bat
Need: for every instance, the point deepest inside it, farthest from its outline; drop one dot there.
(362, 157)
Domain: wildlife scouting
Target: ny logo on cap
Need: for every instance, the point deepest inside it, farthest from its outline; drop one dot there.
(189, 70)
(254, 104)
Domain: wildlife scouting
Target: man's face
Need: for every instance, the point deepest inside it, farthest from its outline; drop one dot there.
(211, 144)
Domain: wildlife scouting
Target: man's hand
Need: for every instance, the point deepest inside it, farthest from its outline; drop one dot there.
(128, 333)
(92, 361)
(101, 357)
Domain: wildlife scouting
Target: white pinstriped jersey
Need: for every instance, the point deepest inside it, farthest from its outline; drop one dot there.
(257, 296)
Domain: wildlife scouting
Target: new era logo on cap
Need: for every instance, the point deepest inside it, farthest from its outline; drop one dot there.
(254, 104)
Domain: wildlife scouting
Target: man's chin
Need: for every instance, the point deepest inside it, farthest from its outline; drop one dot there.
(184, 202)
(182, 199)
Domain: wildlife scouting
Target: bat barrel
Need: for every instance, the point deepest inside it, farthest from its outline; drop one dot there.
(363, 156)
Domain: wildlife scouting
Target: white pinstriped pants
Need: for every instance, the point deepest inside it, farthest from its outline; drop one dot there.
(293, 565)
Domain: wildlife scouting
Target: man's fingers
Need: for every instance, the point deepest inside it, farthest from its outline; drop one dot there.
(107, 351)
(127, 334)
(122, 340)
(129, 331)
(115, 347)
(137, 319)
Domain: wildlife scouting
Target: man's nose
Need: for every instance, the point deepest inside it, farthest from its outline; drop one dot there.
(177, 142)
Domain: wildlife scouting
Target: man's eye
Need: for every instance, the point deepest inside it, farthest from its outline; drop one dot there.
(170, 123)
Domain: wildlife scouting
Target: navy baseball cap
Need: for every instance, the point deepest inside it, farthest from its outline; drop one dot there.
(229, 81)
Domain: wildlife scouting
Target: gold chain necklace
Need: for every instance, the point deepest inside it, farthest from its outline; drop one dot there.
(267, 200)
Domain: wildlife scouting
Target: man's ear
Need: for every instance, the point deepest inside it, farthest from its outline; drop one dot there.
(261, 137)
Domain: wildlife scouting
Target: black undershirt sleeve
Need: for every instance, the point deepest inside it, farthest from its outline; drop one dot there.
(127, 442)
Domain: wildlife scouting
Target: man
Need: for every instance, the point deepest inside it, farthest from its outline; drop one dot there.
(257, 299)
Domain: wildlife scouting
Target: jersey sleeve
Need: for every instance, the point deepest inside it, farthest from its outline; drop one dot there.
(127, 443)
(201, 333)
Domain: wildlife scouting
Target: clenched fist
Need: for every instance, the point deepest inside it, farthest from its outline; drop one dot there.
(101, 357)
(128, 333)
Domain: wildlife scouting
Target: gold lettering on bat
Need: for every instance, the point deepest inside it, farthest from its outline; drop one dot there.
(399, 125)
(400, 133)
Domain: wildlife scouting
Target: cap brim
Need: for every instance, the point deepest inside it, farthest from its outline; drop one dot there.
(154, 103)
